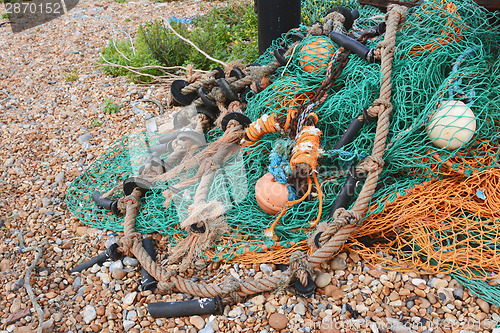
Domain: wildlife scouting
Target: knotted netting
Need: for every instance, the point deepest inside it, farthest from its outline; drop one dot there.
(435, 206)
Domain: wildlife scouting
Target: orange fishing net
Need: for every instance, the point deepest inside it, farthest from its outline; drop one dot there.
(447, 225)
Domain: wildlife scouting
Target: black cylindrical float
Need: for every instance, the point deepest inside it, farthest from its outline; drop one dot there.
(108, 204)
(147, 281)
(110, 253)
(350, 133)
(347, 192)
(193, 307)
(275, 17)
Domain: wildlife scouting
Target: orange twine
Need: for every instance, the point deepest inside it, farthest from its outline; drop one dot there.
(451, 32)
(305, 151)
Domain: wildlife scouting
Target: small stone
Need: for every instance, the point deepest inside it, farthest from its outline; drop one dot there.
(58, 316)
(4, 265)
(51, 295)
(197, 322)
(114, 265)
(323, 279)
(278, 321)
(299, 309)
(16, 305)
(236, 312)
(84, 137)
(404, 292)
(397, 303)
(258, 300)
(485, 306)
(105, 278)
(131, 315)
(89, 314)
(394, 296)
(431, 298)
(46, 202)
(334, 292)
(59, 179)
(338, 264)
(129, 298)
(425, 303)
(399, 328)
(128, 324)
(119, 274)
(77, 283)
(459, 293)
(270, 308)
(18, 284)
(361, 308)
(416, 282)
(127, 261)
(9, 162)
(437, 283)
(266, 269)
(446, 295)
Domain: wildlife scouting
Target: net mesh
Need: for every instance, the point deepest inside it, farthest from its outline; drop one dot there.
(435, 207)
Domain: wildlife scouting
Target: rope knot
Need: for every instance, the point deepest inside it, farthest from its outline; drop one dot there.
(347, 216)
(165, 287)
(128, 242)
(230, 285)
(300, 267)
(382, 102)
(371, 164)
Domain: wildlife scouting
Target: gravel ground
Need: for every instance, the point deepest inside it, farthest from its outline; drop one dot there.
(45, 123)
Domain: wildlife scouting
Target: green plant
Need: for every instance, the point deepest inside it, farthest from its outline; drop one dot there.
(127, 19)
(110, 107)
(164, 46)
(228, 33)
(71, 76)
(95, 123)
(121, 1)
(6, 16)
(123, 53)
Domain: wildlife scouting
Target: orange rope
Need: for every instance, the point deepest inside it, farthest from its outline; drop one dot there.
(306, 151)
(264, 125)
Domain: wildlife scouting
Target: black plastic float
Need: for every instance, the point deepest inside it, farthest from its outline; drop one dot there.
(108, 204)
(238, 116)
(178, 96)
(110, 253)
(279, 54)
(237, 73)
(354, 46)
(305, 291)
(131, 183)
(209, 103)
(207, 111)
(226, 89)
(212, 305)
(148, 282)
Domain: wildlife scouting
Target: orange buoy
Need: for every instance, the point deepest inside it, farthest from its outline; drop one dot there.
(315, 53)
(270, 194)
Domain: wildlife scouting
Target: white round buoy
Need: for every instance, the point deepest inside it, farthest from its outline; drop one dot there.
(452, 125)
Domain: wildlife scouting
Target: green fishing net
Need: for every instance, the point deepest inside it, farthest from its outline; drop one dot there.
(445, 79)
